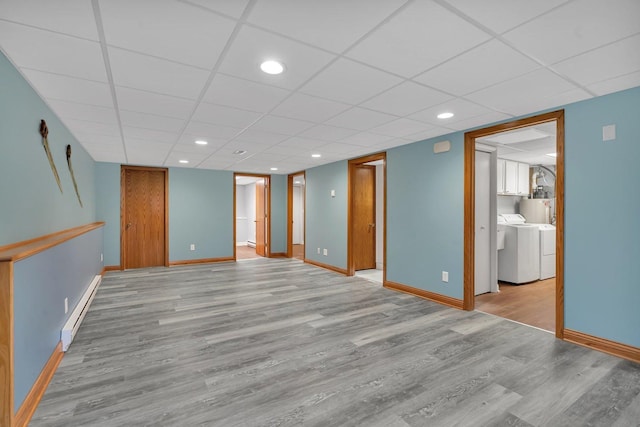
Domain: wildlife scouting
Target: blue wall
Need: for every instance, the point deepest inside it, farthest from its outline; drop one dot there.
(200, 212)
(108, 209)
(32, 204)
(278, 213)
(41, 283)
(602, 211)
(326, 216)
(425, 216)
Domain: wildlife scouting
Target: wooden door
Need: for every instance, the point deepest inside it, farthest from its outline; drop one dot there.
(143, 227)
(261, 235)
(364, 217)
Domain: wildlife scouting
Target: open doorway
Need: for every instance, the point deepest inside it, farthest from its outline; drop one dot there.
(514, 221)
(366, 243)
(252, 219)
(296, 191)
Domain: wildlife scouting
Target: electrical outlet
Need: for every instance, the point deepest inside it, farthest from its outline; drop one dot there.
(192, 247)
(318, 251)
(325, 252)
(66, 305)
(445, 276)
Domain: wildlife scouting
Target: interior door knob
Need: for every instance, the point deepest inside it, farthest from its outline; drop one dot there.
(128, 226)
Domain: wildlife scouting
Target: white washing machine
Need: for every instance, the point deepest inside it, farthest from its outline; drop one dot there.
(547, 251)
(519, 261)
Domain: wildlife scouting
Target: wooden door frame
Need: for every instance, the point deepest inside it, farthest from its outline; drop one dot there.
(469, 206)
(290, 212)
(351, 266)
(267, 183)
(123, 211)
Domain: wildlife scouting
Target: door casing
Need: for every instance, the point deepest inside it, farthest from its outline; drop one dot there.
(469, 206)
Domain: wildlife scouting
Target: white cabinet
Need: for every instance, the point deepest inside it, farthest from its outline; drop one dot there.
(500, 175)
(523, 179)
(512, 177)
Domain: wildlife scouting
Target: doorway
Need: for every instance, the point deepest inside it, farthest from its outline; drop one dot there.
(366, 249)
(144, 217)
(296, 193)
(528, 291)
(252, 201)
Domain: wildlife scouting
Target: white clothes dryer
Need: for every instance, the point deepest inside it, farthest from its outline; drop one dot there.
(519, 261)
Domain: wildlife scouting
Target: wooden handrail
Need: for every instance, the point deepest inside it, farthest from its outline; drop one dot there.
(20, 250)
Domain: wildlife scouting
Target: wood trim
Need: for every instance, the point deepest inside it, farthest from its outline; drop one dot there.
(31, 401)
(278, 255)
(469, 205)
(20, 250)
(604, 345)
(351, 270)
(431, 296)
(327, 267)
(123, 207)
(6, 343)
(201, 261)
(112, 268)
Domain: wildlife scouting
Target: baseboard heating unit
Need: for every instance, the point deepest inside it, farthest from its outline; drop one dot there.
(73, 324)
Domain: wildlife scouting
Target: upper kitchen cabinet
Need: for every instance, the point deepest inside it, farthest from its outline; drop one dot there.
(513, 178)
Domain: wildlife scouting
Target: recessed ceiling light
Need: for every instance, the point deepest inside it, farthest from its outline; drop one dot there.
(272, 67)
(239, 152)
(552, 154)
(316, 155)
(201, 142)
(274, 169)
(184, 161)
(446, 115)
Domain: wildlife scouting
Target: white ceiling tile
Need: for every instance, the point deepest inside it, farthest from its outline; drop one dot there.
(483, 119)
(135, 144)
(244, 94)
(514, 95)
(360, 119)
(107, 156)
(94, 128)
(138, 71)
(349, 82)
(462, 75)
(232, 8)
(253, 46)
(69, 89)
(306, 143)
(421, 36)
(169, 29)
(59, 54)
(206, 130)
(596, 65)
(428, 133)
(194, 159)
(262, 138)
(281, 125)
(365, 139)
(91, 113)
(401, 128)
(406, 98)
(187, 144)
(309, 20)
(396, 142)
(576, 27)
(338, 148)
(511, 12)
(148, 135)
(97, 141)
(310, 108)
(461, 109)
(98, 147)
(146, 157)
(616, 84)
(150, 121)
(153, 103)
(227, 116)
(63, 16)
(289, 150)
(552, 100)
(328, 133)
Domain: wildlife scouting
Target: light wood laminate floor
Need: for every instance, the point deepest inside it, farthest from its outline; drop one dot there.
(276, 342)
(532, 303)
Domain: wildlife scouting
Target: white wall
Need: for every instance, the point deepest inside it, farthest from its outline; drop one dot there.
(241, 215)
(508, 204)
(298, 215)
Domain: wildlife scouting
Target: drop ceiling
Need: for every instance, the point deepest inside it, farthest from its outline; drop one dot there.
(138, 82)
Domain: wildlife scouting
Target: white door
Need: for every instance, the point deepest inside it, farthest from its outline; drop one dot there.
(298, 215)
(483, 226)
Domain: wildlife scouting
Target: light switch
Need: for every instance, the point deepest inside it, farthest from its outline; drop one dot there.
(609, 132)
(333, 193)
